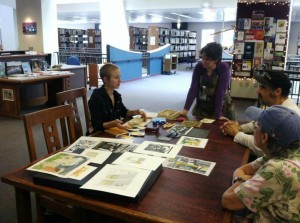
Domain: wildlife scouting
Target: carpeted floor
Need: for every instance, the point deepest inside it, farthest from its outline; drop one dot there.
(153, 94)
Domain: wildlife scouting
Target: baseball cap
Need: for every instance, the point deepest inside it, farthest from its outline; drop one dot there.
(273, 78)
(277, 121)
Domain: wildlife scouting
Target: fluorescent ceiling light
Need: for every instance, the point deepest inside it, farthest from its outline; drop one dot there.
(160, 16)
(181, 15)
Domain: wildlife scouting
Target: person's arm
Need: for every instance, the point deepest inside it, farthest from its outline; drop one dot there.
(248, 141)
(247, 128)
(97, 110)
(137, 112)
(229, 199)
(223, 82)
(194, 88)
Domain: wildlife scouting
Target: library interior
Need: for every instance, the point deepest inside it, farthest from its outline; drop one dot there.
(155, 159)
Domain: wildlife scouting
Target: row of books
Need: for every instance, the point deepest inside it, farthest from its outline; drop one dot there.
(20, 67)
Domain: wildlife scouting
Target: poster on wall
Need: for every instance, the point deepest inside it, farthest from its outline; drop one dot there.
(29, 28)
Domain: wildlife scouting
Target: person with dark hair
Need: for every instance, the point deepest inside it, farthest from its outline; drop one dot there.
(209, 84)
(269, 187)
(105, 104)
(274, 88)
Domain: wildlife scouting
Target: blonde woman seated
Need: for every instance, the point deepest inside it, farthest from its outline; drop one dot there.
(106, 107)
(269, 187)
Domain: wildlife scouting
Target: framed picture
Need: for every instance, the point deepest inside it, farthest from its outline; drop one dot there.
(29, 28)
(2, 69)
(26, 68)
(8, 94)
(14, 67)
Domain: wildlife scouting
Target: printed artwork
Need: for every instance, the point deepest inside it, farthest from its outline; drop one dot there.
(60, 164)
(158, 149)
(281, 26)
(192, 142)
(2, 69)
(122, 180)
(190, 165)
(8, 95)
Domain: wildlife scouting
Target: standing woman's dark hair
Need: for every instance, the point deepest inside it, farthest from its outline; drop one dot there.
(213, 51)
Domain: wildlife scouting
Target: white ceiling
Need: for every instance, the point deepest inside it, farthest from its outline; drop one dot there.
(157, 11)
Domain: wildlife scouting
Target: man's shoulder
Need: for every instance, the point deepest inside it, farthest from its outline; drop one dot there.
(289, 103)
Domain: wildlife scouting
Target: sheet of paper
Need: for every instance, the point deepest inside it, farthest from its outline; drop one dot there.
(117, 179)
(61, 164)
(190, 165)
(82, 172)
(192, 142)
(158, 149)
(96, 155)
(139, 161)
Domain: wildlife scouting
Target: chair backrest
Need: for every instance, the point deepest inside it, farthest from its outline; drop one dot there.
(48, 119)
(73, 60)
(70, 97)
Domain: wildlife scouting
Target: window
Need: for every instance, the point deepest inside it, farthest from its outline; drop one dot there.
(206, 36)
(227, 40)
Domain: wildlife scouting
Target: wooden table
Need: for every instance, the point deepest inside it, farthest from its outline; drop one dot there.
(176, 196)
(24, 92)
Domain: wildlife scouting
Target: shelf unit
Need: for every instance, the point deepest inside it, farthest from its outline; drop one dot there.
(170, 63)
(183, 42)
(94, 38)
(293, 63)
(72, 38)
(138, 38)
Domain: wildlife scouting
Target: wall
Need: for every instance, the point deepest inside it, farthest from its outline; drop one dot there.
(83, 26)
(30, 11)
(9, 34)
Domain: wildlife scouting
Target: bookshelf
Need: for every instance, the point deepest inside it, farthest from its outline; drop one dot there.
(170, 63)
(72, 38)
(94, 38)
(138, 38)
(183, 42)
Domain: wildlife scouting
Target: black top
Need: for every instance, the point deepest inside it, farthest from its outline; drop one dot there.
(102, 109)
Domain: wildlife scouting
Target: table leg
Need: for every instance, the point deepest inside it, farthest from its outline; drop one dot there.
(23, 203)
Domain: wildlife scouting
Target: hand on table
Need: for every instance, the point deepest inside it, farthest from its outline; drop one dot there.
(230, 128)
(184, 112)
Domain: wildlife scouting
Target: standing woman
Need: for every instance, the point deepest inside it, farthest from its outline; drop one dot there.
(105, 104)
(209, 84)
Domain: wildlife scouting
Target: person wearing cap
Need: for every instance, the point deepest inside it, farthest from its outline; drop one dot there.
(274, 88)
(269, 187)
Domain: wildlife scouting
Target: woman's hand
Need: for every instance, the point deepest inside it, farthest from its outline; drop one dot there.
(143, 114)
(222, 118)
(184, 112)
(115, 123)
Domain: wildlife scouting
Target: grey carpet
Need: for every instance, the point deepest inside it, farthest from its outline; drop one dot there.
(153, 94)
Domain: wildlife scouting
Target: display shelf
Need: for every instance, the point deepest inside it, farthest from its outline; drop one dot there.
(183, 42)
(170, 63)
(138, 39)
(94, 38)
(72, 38)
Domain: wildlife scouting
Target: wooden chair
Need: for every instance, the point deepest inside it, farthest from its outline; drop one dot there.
(48, 119)
(70, 97)
(94, 78)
